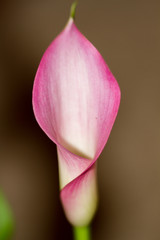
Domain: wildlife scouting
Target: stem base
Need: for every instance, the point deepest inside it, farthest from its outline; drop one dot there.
(82, 233)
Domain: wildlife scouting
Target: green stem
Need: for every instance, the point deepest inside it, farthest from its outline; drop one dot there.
(73, 9)
(82, 233)
(6, 219)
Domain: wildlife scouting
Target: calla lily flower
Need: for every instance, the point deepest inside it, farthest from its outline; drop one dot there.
(75, 101)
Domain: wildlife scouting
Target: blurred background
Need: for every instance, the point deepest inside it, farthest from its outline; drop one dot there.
(127, 34)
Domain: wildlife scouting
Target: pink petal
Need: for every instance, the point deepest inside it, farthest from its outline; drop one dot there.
(75, 101)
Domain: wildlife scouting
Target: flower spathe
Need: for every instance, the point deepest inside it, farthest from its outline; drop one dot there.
(75, 101)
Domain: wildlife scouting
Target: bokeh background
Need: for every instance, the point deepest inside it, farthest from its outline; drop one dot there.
(127, 33)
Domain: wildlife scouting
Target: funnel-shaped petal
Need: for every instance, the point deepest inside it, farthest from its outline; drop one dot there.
(75, 101)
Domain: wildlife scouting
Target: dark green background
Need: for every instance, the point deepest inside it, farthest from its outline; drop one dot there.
(127, 33)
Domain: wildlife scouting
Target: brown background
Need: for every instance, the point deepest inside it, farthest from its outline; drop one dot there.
(127, 34)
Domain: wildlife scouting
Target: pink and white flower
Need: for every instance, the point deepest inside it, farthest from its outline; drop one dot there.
(75, 101)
